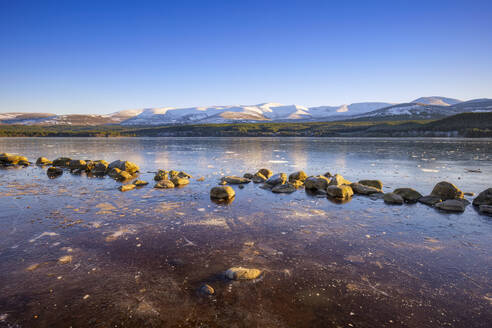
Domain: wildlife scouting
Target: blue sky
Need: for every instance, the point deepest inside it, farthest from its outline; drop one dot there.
(105, 56)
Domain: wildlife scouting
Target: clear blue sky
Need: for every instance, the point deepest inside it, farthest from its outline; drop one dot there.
(103, 56)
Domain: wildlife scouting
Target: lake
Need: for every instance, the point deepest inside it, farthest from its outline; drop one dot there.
(76, 252)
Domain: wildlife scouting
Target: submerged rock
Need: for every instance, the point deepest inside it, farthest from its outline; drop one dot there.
(392, 198)
(259, 178)
(342, 191)
(161, 175)
(235, 180)
(265, 172)
(179, 181)
(284, 188)
(222, 193)
(43, 161)
(207, 290)
(319, 182)
(452, 205)
(124, 166)
(54, 172)
(298, 176)
(408, 194)
(277, 179)
(240, 273)
(483, 198)
(164, 184)
(338, 180)
(446, 190)
(362, 189)
(127, 187)
(62, 161)
(430, 200)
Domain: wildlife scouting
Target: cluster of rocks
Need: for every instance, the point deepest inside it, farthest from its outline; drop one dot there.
(170, 179)
(234, 273)
(7, 159)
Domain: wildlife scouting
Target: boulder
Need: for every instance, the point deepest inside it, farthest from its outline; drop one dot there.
(89, 165)
(408, 194)
(430, 200)
(372, 183)
(248, 175)
(265, 172)
(483, 198)
(177, 181)
(452, 205)
(277, 179)
(485, 209)
(119, 175)
(284, 188)
(362, 189)
(164, 184)
(342, 191)
(100, 167)
(240, 273)
(446, 190)
(392, 198)
(259, 178)
(319, 182)
(77, 164)
(297, 183)
(182, 174)
(299, 175)
(161, 175)
(54, 172)
(140, 183)
(222, 193)
(62, 161)
(338, 180)
(9, 159)
(173, 174)
(127, 187)
(43, 161)
(235, 180)
(124, 166)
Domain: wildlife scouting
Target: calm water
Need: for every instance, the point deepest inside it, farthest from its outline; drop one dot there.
(138, 258)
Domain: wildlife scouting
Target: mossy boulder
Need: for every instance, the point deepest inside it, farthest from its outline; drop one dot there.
(299, 175)
(164, 184)
(240, 273)
(43, 161)
(446, 190)
(409, 195)
(124, 166)
(319, 182)
(62, 162)
(222, 193)
(372, 183)
(392, 198)
(341, 192)
(338, 180)
(54, 172)
(483, 198)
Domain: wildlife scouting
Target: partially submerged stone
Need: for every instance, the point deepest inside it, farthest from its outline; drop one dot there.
(9, 159)
(179, 181)
(338, 180)
(164, 184)
(75, 164)
(248, 175)
(140, 183)
(259, 178)
(119, 175)
(265, 172)
(284, 188)
(207, 290)
(240, 273)
(100, 167)
(485, 209)
(446, 190)
(297, 183)
(392, 198)
(277, 179)
(452, 205)
(43, 161)
(222, 193)
(430, 200)
(124, 166)
(54, 172)
(62, 161)
(362, 189)
(298, 176)
(341, 192)
(235, 180)
(319, 182)
(408, 194)
(161, 175)
(127, 187)
(483, 198)
(372, 183)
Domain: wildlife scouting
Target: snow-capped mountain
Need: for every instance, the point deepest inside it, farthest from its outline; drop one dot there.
(437, 101)
(346, 110)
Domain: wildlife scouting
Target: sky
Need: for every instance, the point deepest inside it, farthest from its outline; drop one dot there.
(104, 56)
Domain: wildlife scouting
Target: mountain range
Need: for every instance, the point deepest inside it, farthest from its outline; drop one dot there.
(422, 108)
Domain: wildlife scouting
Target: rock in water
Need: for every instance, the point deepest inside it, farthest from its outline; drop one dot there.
(54, 172)
(100, 167)
(446, 190)
(140, 183)
(207, 290)
(185, 175)
(284, 188)
(43, 161)
(119, 175)
(338, 180)
(372, 183)
(248, 175)
(179, 181)
(124, 166)
(222, 193)
(77, 164)
(430, 200)
(362, 189)
(341, 192)
(392, 198)
(277, 179)
(265, 172)
(240, 273)
(483, 198)
(235, 180)
(452, 205)
(9, 159)
(319, 182)
(127, 187)
(298, 176)
(62, 161)
(259, 178)
(164, 184)
(485, 209)
(297, 183)
(161, 175)
(408, 194)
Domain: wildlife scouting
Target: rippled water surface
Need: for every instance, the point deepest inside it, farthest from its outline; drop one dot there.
(138, 259)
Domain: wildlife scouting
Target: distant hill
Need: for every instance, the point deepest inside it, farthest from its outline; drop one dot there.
(437, 101)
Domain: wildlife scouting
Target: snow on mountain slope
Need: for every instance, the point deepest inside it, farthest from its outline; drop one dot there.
(437, 101)
(346, 110)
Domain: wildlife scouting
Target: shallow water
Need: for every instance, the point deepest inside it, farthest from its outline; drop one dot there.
(139, 258)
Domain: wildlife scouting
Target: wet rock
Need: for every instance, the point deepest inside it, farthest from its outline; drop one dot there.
(319, 182)
(222, 183)
(392, 198)
(124, 166)
(297, 184)
(100, 167)
(235, 180)
(452, 205)
(446, 190)
(43, 161)
(299, 175)
(362, 189)
(342, 191)
(207, 290)
(140, 183)
(240, 273)
(161, 175)
(164, 184)
(328, 175)
(179, 181)
(259, 178)
(77, 164)
(265, 172)
(127, 187)
(277, 179)
(338, 180)
(185, 175)
(248, 175)
(241, 186)
(372, 183)
(119, 175)
(62, 161)
(54, 172)
(485, 209)
(173, 174)
(483, 198)
(430, 200)
(222, 193)
(408, 194)
(284, 189)
(469, 193)
(7, 159)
